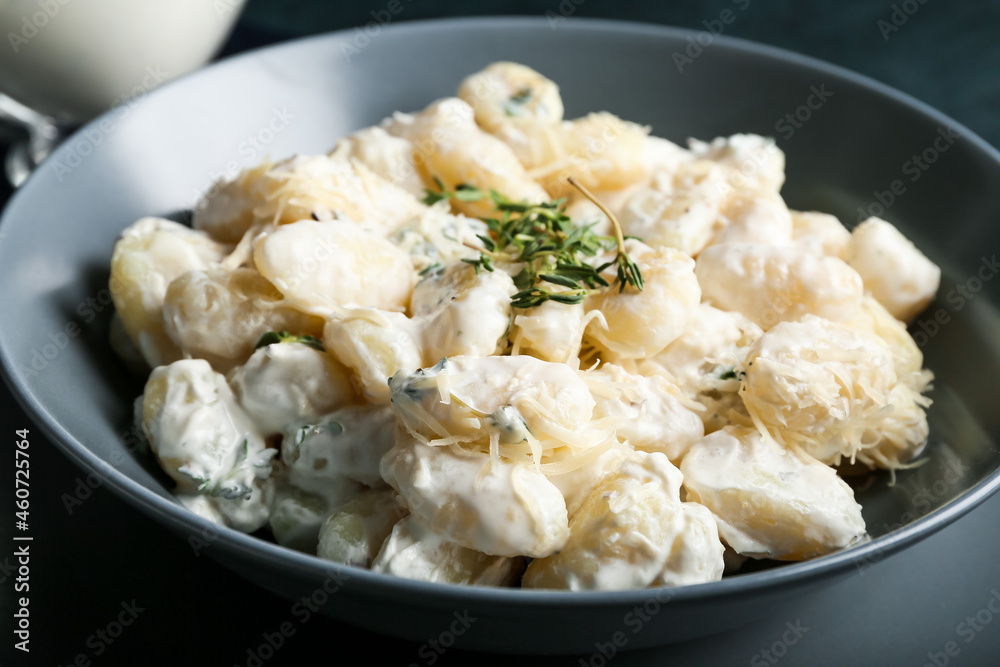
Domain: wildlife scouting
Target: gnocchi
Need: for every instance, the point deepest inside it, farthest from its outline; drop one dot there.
(487, 344)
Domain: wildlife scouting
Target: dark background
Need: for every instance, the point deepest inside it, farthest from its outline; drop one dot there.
(901, 611)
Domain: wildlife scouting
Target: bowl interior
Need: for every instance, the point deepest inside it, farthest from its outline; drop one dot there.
(851, 151)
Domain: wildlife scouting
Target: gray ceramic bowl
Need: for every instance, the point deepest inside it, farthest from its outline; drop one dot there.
(158, 155)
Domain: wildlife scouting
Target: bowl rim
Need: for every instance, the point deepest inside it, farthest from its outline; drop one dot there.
(178, 517)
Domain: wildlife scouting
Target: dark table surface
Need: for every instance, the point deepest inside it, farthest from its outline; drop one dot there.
(100, 562)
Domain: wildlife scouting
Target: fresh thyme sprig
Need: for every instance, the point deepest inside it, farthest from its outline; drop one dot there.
(628, 272)
(548, 244)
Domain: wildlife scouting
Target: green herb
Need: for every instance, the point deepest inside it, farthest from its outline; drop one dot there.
(462, 192)
(514, 106)
(430, 269)
(273, 337)
(729, 374)
(551, 247)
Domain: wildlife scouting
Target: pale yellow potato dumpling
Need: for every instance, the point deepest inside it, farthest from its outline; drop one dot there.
(892, 268)
(149, 256)
(550, 331)
(290, 383)
(637, 323)
(907, 357)
(507, 92)
(320, 267)
(344, 445)
(772, 284)
(462, 311)
(449, 146)
(205, 441)
(756, 163)
(504, 509)
(518, 401)
(820, 233)
(375, 345)
(680, 208)
(755, 218)
(220, 315)
(576, 483)
(622, 535)
(355, 530)
(822, 387)
(296, 516)
(770, 502)
(697, 556)
(304, 187)
(438, 237)
(703, 362)
(651, 412)
(388, 157)
(414, 552)
(600, 150)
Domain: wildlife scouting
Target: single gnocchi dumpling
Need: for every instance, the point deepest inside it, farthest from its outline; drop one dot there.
(449, 146)
(679, 208)
(892, 268)
(906, 355)
(697, 556)
(462, 311)
(438, 237)
(321, 267)
(636, 323)
(204, 440)
(346, 444)
(576, 474)
(519, 407)
(149, 256)
(770, 502)
(375, 345)
(355, 530)
(752, 217)
(219, 315)
(663, 156)
(389, 157)
(304, 187)
(507, 92)
(296, 515)
(415, 552)
(820, 387)
(622, 535)
(246, 514)
(225, 212)
(600, 150)
(772, 284)
(498, 508)
(290, 383)
(820, 233)
(756, 162)
(550, 331)
(704, 360)
(651, 414)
